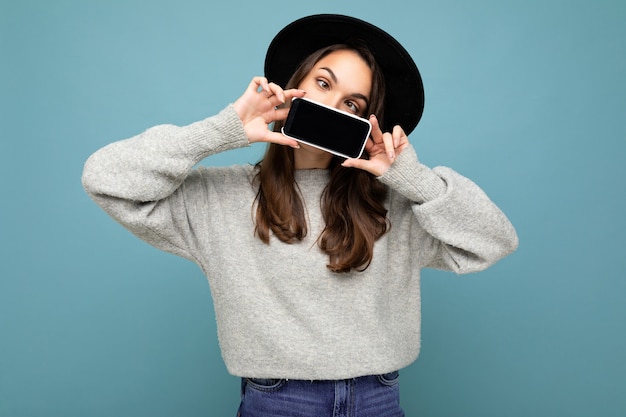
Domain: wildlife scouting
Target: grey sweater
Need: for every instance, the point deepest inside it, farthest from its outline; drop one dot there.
(281, 313)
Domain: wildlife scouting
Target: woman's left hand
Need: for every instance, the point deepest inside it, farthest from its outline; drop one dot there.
(382, 147)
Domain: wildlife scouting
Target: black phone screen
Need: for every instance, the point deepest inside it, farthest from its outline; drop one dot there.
(329, 129)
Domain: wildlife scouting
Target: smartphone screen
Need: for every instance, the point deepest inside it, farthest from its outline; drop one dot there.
(326, 128)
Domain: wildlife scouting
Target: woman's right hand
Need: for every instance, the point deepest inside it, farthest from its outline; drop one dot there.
(258, 107)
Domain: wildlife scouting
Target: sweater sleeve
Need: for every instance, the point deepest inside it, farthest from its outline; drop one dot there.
(147, 184)
(470, 232)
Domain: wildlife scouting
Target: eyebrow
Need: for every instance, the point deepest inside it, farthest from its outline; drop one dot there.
(332, 74)
(355, 95)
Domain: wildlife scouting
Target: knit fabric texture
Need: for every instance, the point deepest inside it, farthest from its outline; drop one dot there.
(281, 313)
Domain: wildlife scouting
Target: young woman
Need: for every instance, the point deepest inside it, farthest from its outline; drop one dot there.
(313, 261)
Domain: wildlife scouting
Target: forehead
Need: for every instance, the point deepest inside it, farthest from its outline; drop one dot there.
(349, 68)
(345, 57)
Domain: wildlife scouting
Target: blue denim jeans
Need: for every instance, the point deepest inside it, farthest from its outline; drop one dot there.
(368, 396)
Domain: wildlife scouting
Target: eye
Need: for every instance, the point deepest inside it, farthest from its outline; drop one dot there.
(323, 84)
(351, 105)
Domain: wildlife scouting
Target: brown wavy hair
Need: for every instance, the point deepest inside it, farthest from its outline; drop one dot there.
(352, 202)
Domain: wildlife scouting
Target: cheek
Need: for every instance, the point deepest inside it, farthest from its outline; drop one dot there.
(307, 85)
(311, 92)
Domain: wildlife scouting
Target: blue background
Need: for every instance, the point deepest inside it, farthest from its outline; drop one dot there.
(527, 98)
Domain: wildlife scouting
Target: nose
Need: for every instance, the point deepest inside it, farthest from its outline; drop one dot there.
(332, 100)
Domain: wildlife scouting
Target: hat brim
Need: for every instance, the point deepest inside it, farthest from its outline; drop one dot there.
(404, 97)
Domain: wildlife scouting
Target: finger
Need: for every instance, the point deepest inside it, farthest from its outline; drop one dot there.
(353, 163)
(280, 139)
(365, 165)
(398, 136)
(377, 133)
(280, 114)
(262, 86)
(293, 92)
(276, 100)
(280, 105)
(280, 96)
(263, 83)
(389, 147)
(369, 145)
(258, 84)
(277, 91)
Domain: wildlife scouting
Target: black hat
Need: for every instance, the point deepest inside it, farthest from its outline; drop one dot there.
(404, 97)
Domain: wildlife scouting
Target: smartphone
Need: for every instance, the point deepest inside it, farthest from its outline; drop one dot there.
(324, 127)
